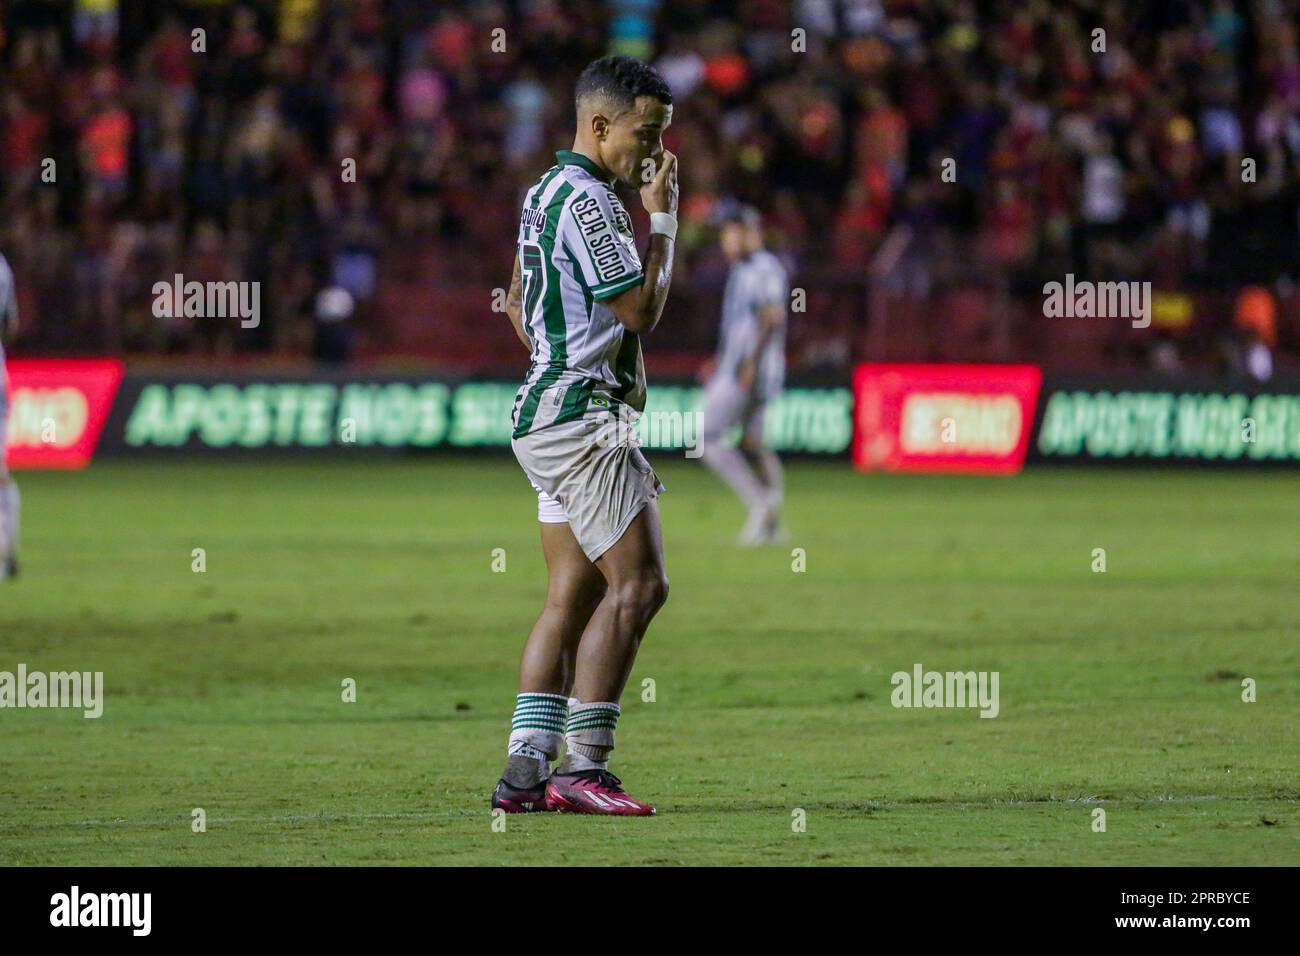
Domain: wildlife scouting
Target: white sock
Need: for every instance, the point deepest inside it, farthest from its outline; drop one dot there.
(589, 735)
(576, 763)
(769, 464)
(537, 728)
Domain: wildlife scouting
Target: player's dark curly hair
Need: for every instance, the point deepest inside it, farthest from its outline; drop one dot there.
(622, 79)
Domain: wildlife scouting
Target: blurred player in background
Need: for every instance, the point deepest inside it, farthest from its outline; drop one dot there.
(579, 300)
(8, 487)
(749, 373)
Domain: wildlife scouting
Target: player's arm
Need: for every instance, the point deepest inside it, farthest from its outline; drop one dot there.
(638, 309)
(515, 306)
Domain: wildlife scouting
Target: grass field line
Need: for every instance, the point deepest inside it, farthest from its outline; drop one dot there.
(868, 805)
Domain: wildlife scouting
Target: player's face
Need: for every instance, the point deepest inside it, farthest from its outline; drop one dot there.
(633, 146)
(739, 240)
(734, 241)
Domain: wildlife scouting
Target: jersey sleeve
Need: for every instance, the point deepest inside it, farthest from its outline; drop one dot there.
(598, 233)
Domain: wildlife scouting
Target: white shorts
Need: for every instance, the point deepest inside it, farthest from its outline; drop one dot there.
(727, 405)
(591, 474)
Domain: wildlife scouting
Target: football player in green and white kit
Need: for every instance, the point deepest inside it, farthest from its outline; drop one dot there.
(580, 299)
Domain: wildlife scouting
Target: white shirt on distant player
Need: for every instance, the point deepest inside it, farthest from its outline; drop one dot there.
(8, 307)
(755, 282)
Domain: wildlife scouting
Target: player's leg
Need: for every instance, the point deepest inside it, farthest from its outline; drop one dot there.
(767, 466)
(8, 501)
(608, 489)
(724, 403)
(574, 588)
(8, 524)
(636, 588)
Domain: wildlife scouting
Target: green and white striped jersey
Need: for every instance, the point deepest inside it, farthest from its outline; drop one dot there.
(576, 249)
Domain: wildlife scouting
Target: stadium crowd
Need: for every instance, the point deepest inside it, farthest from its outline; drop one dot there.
(919, 157)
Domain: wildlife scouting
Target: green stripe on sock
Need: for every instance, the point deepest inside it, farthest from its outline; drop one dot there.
(584, 721)
(540, 712)
(595, 725)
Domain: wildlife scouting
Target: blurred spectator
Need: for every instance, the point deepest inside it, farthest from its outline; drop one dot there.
(378, 148)
(332, 343)
(1249, 348)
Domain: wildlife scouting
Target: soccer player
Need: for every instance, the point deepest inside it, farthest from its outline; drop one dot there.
(580, 300)
(749, 373)
(8, 487)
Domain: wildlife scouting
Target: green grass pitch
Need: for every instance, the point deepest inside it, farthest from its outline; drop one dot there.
(1119, 690)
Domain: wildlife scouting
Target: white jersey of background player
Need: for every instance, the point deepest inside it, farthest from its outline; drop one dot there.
(8, 487)
(750, 372)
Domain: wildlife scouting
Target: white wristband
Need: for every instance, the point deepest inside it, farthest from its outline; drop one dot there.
(663, 223)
